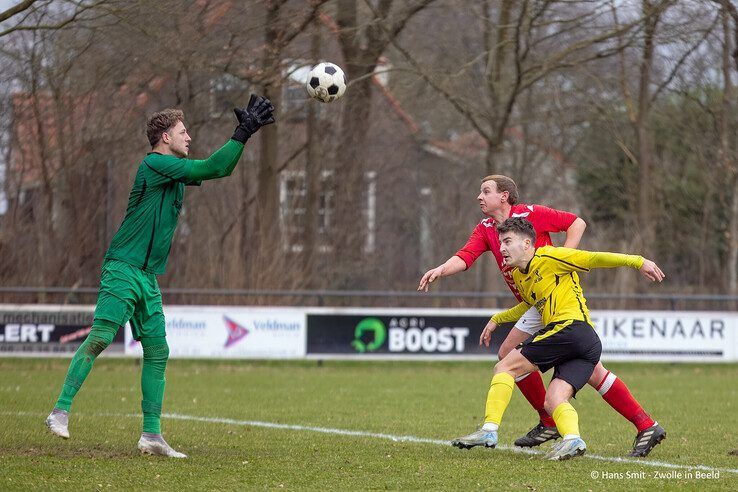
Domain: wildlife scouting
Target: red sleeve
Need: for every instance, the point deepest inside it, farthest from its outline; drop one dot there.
(552, 220)
(474, 247)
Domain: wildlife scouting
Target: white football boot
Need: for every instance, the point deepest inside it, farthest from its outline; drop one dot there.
(480, 437)
(567, 449)
(58, 423)
(156, 445)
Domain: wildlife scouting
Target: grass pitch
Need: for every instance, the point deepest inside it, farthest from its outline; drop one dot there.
(436, 401)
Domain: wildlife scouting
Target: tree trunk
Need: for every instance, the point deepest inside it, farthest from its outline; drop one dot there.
(643, 133)
(349, 178)
(727, 130)
(349, 232)
(267, 205)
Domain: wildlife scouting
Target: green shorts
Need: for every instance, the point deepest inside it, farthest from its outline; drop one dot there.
(128, 293)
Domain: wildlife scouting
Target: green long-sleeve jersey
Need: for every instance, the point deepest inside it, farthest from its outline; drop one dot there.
(145, 235)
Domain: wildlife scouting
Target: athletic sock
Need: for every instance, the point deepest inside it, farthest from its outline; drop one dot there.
(155, 356)
(101, 335)
(498, 397)
(535, 392)
(567, 420)
(618, 396)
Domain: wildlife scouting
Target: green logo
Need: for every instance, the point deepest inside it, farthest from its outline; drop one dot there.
(376, 332)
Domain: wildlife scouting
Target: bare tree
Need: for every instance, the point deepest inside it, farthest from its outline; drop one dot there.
(16, 9)
(45, 15)
(727, 129)
(522, 45)
(364, 35)
(529, 88)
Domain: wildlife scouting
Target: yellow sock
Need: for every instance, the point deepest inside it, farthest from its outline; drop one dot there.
(567, 420)
(500, 392)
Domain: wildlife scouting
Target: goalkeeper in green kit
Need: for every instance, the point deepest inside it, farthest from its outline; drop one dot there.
(139, 252)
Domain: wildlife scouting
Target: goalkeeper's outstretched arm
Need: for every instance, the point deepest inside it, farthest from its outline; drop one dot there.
(221, 163)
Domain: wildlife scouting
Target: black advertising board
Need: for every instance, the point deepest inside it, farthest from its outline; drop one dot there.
(407, 335)
(47, 332)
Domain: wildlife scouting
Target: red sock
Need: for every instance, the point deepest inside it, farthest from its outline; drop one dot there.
(535, 392)
(617, 394)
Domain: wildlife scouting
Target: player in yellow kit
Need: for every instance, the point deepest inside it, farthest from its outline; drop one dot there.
(547, 279)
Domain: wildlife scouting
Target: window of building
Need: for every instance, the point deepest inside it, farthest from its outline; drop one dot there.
(294, 222)
(370, 178)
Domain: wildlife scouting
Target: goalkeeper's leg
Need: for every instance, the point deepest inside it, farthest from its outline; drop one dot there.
(101, 335)
(155, 356)
(149, 323)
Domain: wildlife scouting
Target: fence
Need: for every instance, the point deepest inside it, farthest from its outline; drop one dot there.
(345, 298)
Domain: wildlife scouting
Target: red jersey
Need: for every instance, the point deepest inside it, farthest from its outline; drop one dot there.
(485, 237)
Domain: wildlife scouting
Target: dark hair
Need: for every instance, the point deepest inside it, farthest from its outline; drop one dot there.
(518, 225)
(160, 122)
(504, 184)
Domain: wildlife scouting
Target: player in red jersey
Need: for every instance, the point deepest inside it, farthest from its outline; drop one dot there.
(498, 200)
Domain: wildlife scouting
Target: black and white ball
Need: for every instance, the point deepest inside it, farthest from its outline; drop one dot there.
(326, 82)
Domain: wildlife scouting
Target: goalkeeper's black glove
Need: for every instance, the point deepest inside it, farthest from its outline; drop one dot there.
(258, 113)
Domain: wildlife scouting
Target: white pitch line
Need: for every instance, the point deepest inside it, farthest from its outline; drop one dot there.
(424, 440)
(394, 438)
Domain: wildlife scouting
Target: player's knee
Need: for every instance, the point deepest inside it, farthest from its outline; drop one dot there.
(156, 353)
(597, 376)
(101, 335)
(551, 402)
(502, 366)
(505, 349)
(94, 345)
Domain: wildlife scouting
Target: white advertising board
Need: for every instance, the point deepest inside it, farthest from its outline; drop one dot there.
(282, 332)
(231, 332)
(667, 335)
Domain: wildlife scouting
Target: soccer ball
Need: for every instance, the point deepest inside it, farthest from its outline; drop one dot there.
(326, 82)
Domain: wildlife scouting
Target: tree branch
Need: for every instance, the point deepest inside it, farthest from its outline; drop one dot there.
(682, 59)
(25, 5)
(81, 8)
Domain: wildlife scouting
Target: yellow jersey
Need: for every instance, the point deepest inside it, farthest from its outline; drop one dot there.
(551, 284)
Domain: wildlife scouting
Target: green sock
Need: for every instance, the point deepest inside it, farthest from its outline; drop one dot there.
(100, 336)
(155, 356)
